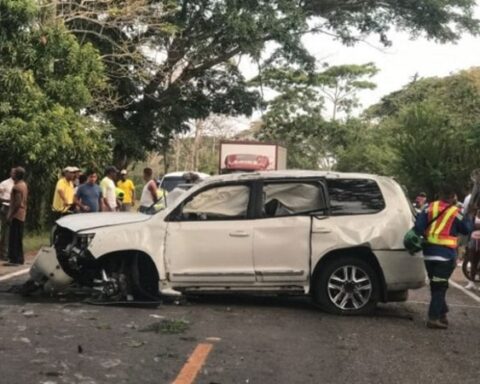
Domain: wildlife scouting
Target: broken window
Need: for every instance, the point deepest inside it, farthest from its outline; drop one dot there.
(226, 202)
(283, 199)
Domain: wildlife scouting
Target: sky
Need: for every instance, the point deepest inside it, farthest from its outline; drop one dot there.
(397, 64)
(400, 62)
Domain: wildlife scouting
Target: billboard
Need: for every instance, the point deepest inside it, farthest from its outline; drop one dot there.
(247, 156)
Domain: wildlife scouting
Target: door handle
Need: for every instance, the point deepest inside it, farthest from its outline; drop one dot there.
(321, 230)
(239, 234)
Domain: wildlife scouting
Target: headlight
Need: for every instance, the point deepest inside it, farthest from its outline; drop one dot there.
(84, 240)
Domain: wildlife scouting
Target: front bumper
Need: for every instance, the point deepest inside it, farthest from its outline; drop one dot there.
(46, 269)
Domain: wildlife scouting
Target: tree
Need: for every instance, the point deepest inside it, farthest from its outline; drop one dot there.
(434, 130)
(198, 150)
(340, 85)
(47, 79)
(170, 61)
(360, 146)
(295, 116)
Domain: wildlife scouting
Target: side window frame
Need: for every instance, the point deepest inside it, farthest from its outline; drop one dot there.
(313, 180)
(174, 216)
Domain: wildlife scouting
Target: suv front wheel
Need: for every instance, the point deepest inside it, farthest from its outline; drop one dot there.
(347, 286)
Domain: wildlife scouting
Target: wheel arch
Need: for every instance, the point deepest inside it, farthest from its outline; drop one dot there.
(144, 258)
(361, 252)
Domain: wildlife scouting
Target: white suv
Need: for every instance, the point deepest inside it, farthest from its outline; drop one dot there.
(335, 236)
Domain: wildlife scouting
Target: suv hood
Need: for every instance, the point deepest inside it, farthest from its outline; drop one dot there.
(82, 221)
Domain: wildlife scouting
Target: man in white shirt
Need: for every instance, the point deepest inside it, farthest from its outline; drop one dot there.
(107, 186)
(5, 191)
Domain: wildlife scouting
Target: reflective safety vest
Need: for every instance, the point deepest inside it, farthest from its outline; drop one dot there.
(438, 233)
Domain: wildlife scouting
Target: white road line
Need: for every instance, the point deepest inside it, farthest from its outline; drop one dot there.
(449, 304)
(466, 291)
(14, 274)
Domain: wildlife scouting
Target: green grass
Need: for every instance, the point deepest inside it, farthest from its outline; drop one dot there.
(34, 241)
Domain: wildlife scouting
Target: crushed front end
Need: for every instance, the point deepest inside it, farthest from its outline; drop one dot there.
(66, 260)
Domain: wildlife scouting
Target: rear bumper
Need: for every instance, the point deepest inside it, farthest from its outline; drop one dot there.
(401, 270)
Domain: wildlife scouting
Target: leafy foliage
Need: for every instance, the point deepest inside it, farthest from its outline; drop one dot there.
(295, 116)
(434, 131)
(46, 80)
(170, 61)
(441, 20)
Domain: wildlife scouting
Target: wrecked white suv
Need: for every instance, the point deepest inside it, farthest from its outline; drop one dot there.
(335, 236)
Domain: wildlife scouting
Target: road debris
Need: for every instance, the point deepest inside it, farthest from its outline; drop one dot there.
(110, 363)
(29, 314)
(166, 327)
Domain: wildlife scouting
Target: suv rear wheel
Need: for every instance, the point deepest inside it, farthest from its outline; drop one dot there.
(347, 286)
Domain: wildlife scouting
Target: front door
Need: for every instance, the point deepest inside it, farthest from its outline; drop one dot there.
(209, 241)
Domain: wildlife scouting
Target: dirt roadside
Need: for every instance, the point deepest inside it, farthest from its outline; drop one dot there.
(29, 257)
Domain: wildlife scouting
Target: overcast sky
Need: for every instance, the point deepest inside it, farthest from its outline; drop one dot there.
(397, 64)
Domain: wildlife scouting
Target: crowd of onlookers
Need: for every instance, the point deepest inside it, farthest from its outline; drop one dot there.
(75, 192)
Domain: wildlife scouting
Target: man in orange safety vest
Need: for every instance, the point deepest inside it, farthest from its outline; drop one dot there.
(440, 224)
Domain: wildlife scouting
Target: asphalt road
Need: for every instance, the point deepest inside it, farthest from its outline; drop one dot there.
(245, 340)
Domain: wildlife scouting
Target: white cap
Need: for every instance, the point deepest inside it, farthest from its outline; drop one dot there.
(70, 169)
(123, 172)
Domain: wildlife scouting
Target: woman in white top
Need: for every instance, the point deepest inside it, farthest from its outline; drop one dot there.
(149, 192)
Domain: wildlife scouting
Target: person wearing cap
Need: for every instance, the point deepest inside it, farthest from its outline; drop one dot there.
(64, 193)
(76, 177)
(107, 186)
(128, 188)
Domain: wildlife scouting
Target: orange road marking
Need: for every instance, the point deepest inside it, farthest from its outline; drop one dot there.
(191, 368)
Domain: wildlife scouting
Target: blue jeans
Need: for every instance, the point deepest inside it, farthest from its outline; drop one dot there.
(438, 272)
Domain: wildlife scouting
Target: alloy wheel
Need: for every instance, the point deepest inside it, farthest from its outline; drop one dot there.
(349, 288)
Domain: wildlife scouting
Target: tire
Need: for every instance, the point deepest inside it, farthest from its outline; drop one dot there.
(336, 291)
(132, 274)
(466, 270)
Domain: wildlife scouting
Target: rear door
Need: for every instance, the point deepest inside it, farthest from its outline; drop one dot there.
(281, 233)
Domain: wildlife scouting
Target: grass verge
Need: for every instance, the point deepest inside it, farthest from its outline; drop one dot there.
(34, 241)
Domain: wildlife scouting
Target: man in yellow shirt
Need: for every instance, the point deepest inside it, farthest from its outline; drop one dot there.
(128, 188)
(64, 193)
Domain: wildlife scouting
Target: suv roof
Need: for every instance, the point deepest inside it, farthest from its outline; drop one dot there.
(290, 174)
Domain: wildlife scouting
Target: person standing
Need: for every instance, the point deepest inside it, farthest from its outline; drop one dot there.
(440, 224)
(107, 186)
(64, 194)
(16, 217)
(149, 192)
(421, 202)
(128, 188)
(89, 195)
(5, 191)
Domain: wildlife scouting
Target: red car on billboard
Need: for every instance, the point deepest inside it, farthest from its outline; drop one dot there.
(246, 162)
